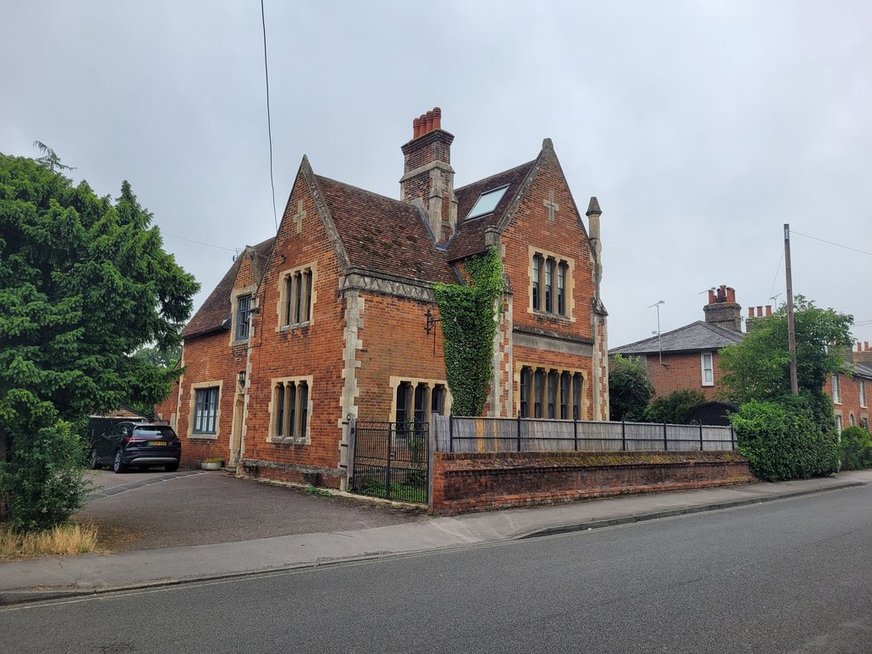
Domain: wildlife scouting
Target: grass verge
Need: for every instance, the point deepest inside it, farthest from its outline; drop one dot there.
(66, 540)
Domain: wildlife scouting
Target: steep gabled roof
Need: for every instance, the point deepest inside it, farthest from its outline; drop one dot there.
(216, 309)
(470, 236)
(383, 235)
(698, 336)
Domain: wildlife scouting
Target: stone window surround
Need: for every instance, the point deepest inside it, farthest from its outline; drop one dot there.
(193, 407)
(251, 290)
(532, 251)
(703, 368)
(861, 390)
(283, 324)
(519, 366)
(837, 389)
(395, 382)
(273, 412)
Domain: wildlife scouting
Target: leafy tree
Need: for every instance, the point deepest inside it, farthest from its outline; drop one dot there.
(84, 282)
(163, 360)
(758, 368)
(629, 388)
(673, 408)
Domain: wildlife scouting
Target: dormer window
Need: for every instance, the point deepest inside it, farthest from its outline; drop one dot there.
(487, 202)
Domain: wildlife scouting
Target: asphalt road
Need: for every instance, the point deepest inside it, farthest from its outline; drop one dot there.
(157, 509)
(785, 576)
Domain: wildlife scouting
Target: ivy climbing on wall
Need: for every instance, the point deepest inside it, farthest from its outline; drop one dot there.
(469, 323)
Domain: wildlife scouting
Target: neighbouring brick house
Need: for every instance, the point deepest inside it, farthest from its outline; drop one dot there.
(687, 357)
(851, 393)
(335, 317)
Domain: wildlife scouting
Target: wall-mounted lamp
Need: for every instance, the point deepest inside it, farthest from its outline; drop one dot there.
(430, 320)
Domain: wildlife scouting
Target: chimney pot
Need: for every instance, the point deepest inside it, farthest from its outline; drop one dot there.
(731, 294)
(437, 118)
(866, 343)
(429, 118)
(750, 312)
(760, 311)
(416, 128)
(711, 296)
(859, 347)
(768, 309)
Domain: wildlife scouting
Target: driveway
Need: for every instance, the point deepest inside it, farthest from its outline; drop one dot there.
(148, 510)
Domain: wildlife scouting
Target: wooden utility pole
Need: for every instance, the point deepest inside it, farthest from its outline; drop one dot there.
(791, 326)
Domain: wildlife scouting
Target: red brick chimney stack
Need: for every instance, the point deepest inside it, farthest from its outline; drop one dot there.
(428, 179)
(723, 310)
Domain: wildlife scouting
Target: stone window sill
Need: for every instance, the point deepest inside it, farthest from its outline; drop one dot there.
(203, 437)
(551, 316)
(296, 325)
(277, 440)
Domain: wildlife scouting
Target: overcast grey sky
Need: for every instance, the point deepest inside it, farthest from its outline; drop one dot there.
(701, 126)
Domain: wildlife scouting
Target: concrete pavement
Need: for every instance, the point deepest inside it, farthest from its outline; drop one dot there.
(61, 577)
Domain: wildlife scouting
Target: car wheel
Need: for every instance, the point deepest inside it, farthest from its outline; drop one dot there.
(93, 461)
(118, 463)
(173, 467)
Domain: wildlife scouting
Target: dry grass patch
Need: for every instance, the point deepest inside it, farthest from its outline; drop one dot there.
(66, 540)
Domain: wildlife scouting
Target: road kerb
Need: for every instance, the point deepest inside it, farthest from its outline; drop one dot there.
(671, 513)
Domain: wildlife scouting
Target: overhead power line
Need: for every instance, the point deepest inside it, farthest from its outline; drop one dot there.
(190, 240)
(775, 278)
(272, 183)
(838, 245)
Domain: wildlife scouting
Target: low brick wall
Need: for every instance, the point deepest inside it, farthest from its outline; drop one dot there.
(474, 482)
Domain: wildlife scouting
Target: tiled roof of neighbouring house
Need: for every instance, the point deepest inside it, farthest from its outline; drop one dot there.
(696, 337)
(863, 370)
(216, 309)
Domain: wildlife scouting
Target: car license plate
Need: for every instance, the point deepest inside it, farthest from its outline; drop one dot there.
(157, 443)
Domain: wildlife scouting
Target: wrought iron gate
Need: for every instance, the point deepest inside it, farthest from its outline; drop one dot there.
(391, 460)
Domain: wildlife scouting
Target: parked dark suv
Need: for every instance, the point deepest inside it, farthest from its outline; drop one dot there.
(136, 445)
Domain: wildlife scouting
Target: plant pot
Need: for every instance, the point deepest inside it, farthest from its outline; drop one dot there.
(212, 465)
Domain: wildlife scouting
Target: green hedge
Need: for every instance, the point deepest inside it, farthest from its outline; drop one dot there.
(856, 446)
(787, 440)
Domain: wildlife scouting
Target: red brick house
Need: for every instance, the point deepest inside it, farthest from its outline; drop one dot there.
(333, 317)
(852, 393)
(687, 357)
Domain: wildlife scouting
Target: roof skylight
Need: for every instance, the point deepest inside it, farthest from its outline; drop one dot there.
(487, 202)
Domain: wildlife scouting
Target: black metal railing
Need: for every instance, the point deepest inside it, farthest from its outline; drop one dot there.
(391, 460)
(460, 434)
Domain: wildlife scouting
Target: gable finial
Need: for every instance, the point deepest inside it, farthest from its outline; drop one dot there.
(547, 144)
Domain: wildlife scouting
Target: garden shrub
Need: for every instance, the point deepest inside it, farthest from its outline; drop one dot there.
(44, 482)
(856, 448)
(673, 408)
(786, 440)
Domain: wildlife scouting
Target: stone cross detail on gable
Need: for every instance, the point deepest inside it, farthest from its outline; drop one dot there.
(299, 216)
(551, 205)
